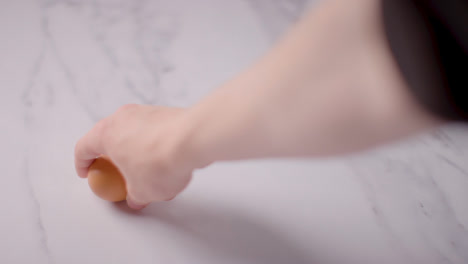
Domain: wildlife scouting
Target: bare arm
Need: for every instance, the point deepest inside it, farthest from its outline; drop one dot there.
(329, 87)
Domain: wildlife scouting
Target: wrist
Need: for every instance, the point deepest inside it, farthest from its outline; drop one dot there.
(188, 149)
(224, 126)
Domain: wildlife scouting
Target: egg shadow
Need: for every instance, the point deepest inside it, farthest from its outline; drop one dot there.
(226, 231)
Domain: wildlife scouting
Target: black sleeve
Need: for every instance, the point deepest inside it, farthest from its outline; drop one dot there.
(429, 40)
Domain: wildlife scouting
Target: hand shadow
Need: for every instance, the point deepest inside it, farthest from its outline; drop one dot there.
(231, 234)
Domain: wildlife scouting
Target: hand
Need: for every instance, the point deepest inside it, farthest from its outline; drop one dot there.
(144, 142)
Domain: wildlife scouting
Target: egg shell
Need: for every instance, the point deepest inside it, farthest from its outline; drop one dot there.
(106, 181)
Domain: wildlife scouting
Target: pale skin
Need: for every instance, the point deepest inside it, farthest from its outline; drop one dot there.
(329, 87)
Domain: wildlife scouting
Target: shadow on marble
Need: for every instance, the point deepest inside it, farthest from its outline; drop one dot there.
(226, 231)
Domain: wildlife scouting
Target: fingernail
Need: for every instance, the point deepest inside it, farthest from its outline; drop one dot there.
(134, 205)
(170, 199)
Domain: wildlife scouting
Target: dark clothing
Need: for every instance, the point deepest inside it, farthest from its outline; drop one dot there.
(429, 40)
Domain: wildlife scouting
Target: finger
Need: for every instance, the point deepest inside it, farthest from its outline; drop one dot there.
(170, 199)
(88, 148)
(135, 205)
(184, 186)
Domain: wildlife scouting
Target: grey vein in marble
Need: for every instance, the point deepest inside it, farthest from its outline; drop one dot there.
(37, 213)
(69, 63)
(420, 196)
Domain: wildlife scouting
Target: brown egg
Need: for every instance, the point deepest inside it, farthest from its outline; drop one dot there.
(106, 181)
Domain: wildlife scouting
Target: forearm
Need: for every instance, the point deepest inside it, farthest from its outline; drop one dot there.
(329, 87)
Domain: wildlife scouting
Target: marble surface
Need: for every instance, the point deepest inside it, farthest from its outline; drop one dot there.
(67, 63)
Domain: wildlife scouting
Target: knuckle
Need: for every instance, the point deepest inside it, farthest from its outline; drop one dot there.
(102, 126)
(126, 108)
(168, 193)
(165, 195)
(103, 129)
(78, 147)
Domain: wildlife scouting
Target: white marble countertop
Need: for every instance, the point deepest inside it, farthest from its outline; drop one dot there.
(65, 64)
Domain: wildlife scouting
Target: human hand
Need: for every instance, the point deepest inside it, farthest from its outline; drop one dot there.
(145, 143)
